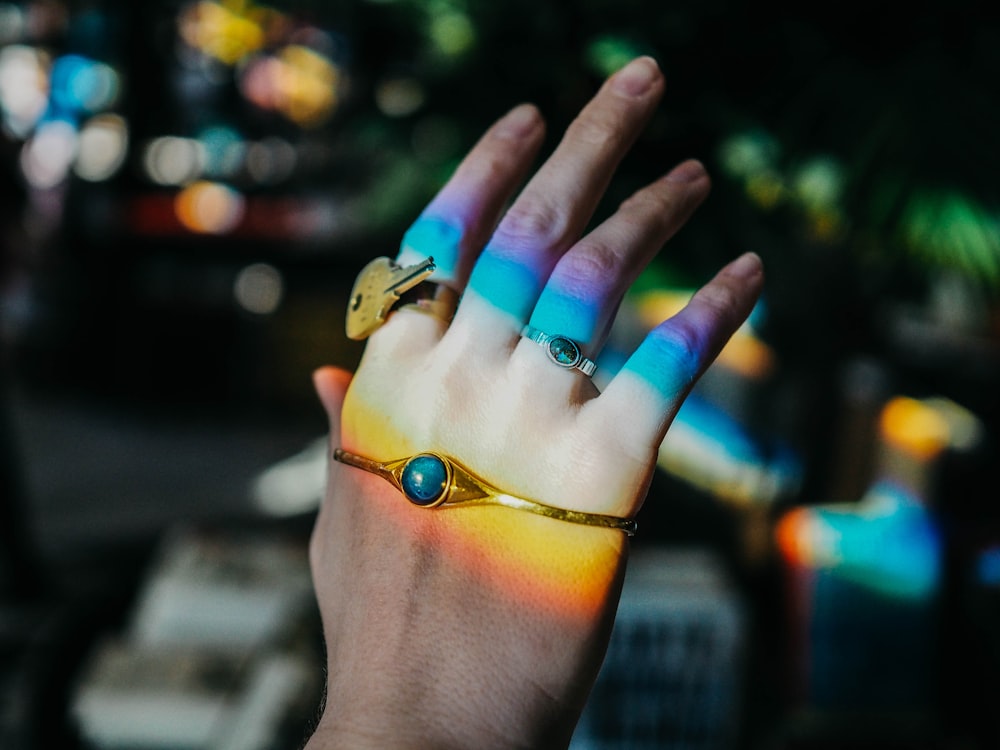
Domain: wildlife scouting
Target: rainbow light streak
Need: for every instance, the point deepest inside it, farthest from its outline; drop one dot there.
(887, 543)
(566, 311)
(505, 283)
(709, 449)
(436, 237)
(668, 360)
(565, 569)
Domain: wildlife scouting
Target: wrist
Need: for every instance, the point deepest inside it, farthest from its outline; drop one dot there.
(434, 618)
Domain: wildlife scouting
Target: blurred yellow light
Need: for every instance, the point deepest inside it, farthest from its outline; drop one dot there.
(311, 89)
(744, 353)
(300, 83)
(209, 208)
(228, 32)
(915, 426)
(102, 148)
(766, 190)
(825, 225)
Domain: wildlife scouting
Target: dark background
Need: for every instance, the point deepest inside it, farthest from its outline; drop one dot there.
(852, 146)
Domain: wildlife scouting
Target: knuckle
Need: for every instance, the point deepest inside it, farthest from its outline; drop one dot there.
(681, 347)
(588, 262)
(649, 202)
(721, 299)
(595, 129)
(534, 222)
(654, 207)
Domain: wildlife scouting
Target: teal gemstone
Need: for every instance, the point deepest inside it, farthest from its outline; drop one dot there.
(424, 479)
(564, 351)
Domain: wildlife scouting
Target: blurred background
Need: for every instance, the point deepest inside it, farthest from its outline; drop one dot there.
(187, 191)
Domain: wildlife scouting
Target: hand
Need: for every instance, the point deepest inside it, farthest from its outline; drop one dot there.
(485, 627)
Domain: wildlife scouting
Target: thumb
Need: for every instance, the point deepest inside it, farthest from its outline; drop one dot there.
(331, 386)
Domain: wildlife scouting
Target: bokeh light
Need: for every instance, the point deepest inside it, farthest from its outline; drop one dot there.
(452, 32)
(80, 84)
(172, 160)
(608, 53)
(24, 88)
(224, 150)
(227, 31)
(46, 158)
(259, 288)
(209, 207)
(103, 147)
(399, 95)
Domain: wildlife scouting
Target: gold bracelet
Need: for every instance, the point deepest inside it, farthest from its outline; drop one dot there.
(431, 480)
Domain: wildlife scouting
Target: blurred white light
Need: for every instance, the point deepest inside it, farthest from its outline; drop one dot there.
(47, 156)
(102, 147)
(750, 154)
(171, 160)
(24, 88)
(295, 485)
(819, 182)
(259, 288)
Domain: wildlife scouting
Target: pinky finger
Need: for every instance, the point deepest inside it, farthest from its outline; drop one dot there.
(654, 381)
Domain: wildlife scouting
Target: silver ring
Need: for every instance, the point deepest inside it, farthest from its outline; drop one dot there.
(561, 349)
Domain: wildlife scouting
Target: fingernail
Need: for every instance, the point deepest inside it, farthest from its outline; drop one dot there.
(687, 171)
(637, 77)
(746, 266)
(518, 123)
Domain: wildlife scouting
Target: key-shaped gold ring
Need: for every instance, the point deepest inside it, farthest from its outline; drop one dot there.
(378, 287)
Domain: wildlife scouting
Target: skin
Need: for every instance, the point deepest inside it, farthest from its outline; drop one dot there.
(485, 627)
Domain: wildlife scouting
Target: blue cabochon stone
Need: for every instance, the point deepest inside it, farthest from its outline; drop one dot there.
(424, 479)
(563, 351)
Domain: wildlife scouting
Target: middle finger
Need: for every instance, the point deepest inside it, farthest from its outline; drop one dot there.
(556, 205)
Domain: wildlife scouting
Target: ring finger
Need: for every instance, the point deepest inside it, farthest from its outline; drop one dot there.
(586, 287)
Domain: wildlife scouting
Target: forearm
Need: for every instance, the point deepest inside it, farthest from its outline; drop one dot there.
(457, 628)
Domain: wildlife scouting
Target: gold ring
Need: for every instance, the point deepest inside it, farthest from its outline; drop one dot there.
(439, 300)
